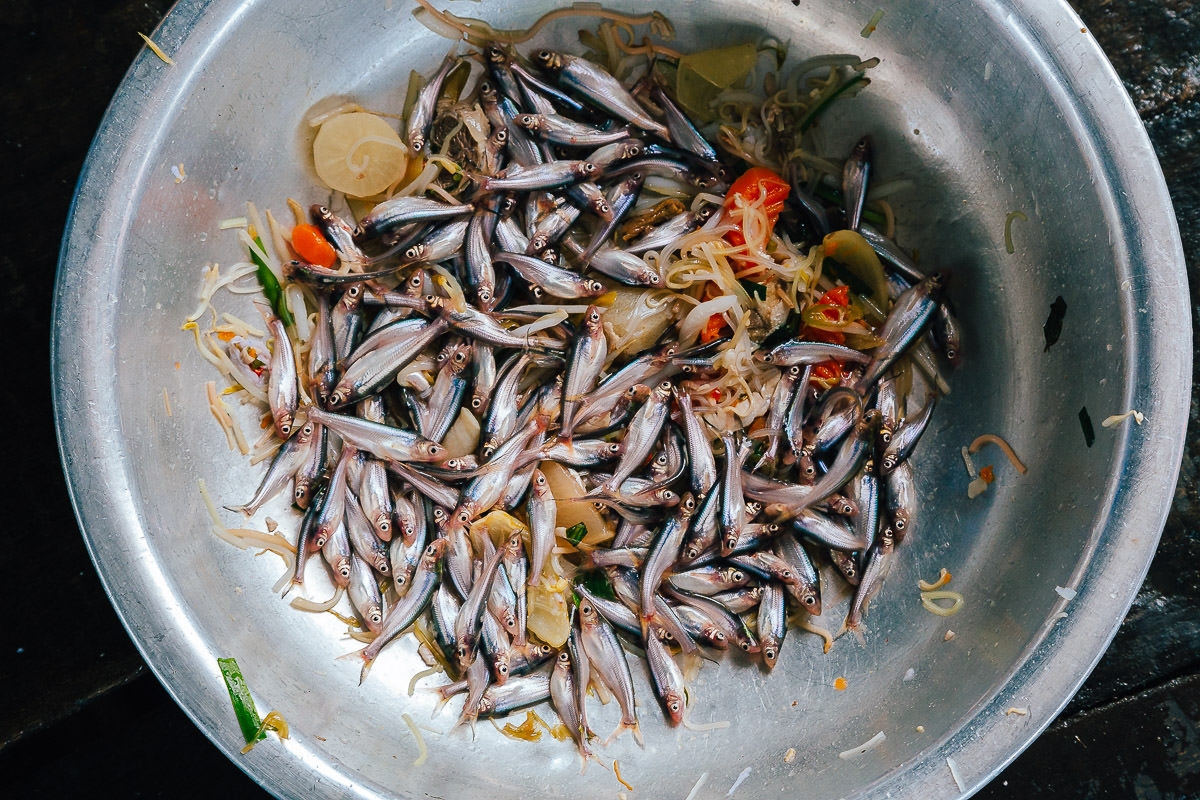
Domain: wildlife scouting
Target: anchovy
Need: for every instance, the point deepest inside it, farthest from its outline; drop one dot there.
(421, 117)
(555, 281)
(399, 211)
(363, 541)
(772, 623)
(339, 233)
(901, 498)
(470, 616)
(552, 175)
(364, 594)
(565, 699)
(567, 132)
(608, 155)
(285, 463)
(878, 564)
(376, 367)
(588, 353)
(283, 391)
(542, 513)
(599, 88)
(733, 502)
(483, 327)
(906, 438)
(381, 441)
(801, 352)
(663, 554)
(481, 274)
(643, 433)
(855, 175)
(606, 655)
(400, 616)
(907, 319)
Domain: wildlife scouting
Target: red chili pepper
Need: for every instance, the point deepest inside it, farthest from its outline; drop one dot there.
(310, 244)
(827, 371)
(837, 296)
(712, 329)
(754, 183)
(715, 394)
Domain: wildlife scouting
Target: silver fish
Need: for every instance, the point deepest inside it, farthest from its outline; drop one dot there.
(421, 116)
(599, 87)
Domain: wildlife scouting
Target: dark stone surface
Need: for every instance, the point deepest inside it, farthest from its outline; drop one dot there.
(78, 709)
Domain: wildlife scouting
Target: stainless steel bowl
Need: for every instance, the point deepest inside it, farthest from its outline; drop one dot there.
(988, 106)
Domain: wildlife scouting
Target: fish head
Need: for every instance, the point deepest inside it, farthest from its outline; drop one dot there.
(592, 321)
(430, 450)
(548, 59)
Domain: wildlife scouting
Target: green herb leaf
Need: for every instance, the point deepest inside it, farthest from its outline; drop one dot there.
(270, 286)
(812, 115)
(243, 704)
(596, 582)
(576, 532)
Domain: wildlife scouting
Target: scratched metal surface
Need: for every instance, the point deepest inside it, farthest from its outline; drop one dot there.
(1156, 630)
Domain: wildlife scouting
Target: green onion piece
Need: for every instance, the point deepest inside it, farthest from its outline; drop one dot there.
(1008, 221)
(596, 582)
(576, 532)
(812, 115)
(415, 82)
(869, 28)
(834, 198)
(755, 289)
(270, 285)
(243, 704)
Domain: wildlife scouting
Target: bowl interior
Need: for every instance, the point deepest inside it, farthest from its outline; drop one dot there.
(965, 107)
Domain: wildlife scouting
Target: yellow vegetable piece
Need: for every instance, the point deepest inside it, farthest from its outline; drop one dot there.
(637, 318)
(548, 619)
(463, 436)
(852, 251)
(565, 484)
(702, 76)
(499, 525)
(358, 154)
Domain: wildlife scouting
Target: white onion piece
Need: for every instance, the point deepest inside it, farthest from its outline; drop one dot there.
(698, 317)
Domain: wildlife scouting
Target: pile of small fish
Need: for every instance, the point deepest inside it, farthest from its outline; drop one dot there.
(437, 310)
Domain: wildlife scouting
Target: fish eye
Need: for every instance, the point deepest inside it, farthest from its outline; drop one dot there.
(594, 316)
(598, 506)
(544, 55)
(464, 517)
(476, 402)
(323, 211)
(564, 656)
(412, 253)
(745, 646)
(674, 706)
(527, 120)
(809, 600)
(589, 167)
(502, 669)
(540, 480)
(738, 575)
